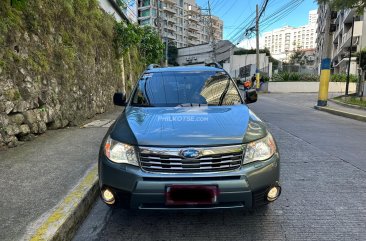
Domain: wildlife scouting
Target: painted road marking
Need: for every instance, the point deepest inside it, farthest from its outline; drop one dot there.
(57, 225)
(99, 123)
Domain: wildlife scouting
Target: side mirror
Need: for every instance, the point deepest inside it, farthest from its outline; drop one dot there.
(119, 99)
(251, 96)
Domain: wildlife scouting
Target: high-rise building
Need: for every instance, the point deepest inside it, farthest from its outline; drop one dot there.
(313, 17)
(341, 25)
(284, 41)
(182, 21)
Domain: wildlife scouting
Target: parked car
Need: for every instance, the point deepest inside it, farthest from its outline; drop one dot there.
(186, 139)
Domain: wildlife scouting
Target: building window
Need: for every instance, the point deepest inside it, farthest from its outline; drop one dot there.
(145, 22)
(145, 13)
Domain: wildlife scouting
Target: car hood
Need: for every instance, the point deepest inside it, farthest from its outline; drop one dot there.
(187, 126)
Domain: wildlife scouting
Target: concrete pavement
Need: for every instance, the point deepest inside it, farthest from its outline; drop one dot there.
(323, 174)
(37, 175)
(344, 110)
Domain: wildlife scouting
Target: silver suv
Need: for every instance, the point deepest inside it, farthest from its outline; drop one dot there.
(187, 140)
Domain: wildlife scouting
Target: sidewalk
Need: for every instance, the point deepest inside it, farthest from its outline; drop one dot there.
(37, 175)
(344, 110)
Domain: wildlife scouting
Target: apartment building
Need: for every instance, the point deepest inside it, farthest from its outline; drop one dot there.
(342, 40)
(345, 27)
(182, 21)
(284, 41)
(323, 12)
(313, 17)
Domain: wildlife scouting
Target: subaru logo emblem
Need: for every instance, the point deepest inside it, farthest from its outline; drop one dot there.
(189, 153)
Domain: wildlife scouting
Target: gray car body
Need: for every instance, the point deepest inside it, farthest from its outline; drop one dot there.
(153, 127)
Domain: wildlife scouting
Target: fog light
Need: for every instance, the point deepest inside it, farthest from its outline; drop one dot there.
(108, 196)
(273, 193)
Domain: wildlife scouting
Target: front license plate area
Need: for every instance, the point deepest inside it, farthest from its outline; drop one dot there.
(191, 195)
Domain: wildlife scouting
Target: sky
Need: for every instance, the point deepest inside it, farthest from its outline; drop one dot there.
(235, 12)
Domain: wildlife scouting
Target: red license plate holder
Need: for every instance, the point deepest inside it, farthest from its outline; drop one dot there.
(191, 194)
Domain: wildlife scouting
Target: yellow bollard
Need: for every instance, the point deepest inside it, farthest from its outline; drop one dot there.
(258, 77)
(324, 82)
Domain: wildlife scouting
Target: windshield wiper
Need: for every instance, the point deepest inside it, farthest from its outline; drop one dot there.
(225, 92)
(147, 96)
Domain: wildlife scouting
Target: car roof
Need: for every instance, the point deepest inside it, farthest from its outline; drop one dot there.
(183, 69)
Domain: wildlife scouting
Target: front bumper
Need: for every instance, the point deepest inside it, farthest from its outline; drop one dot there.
(242, 188)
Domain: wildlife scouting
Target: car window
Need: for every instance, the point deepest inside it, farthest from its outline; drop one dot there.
(185, 89)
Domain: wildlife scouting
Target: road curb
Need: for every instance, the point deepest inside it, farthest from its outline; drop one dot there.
(341, 113)
(347, 105)
(65, 218)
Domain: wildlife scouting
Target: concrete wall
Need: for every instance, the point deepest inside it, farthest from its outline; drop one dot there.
(307, 87)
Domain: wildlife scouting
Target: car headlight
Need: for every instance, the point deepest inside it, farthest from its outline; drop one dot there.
(260, 150)
(120, 153)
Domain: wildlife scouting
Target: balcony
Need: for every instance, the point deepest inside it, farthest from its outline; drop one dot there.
(336, 34)
(193, 19)
(143, 17)
(169, 9)
(216, 26)
(174, 2)
(193, 27)
(171, 20)
(169, 36)
(170, 28)
(193, 35)
(144, 7)
(346, 39)
(193, 10)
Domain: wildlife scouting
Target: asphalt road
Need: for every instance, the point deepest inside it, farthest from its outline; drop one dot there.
(323, 174)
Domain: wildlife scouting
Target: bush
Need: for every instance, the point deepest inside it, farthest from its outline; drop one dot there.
(343, 78)
(293, 76)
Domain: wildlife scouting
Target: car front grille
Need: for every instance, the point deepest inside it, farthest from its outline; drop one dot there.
(211, 159)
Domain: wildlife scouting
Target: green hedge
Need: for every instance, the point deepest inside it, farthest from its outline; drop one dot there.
(343, 78)
(292, 76)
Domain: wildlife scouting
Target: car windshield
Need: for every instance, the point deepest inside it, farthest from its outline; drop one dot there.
(171, 89)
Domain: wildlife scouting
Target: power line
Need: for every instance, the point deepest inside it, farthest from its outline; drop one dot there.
(229, 8)
(281, 14)
(277, 15)
(233, 34)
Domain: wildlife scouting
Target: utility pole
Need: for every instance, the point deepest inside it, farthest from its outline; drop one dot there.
(158, 24)
(158, 19)
(166, 51)
(350, 56)
(257, 45)
(212, 36)
(212, 32)
(325, 64)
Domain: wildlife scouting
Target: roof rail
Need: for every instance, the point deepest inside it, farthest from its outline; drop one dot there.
(214, 64)
(152, 66)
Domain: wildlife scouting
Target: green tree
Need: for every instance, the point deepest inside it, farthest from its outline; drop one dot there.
(151, 45)
(297, 57)
(359, 5)
(127, 35)
(361, 58)
(146, 38)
